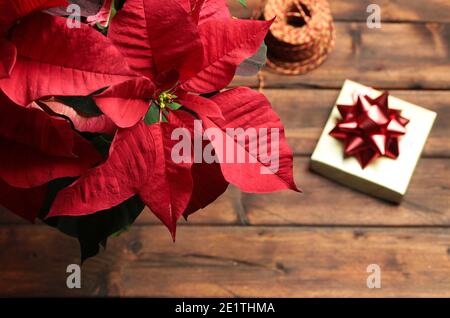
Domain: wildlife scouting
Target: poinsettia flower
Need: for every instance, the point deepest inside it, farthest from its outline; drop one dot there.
(10, 12)
(36, 148)
(201, 59)
(178, 58)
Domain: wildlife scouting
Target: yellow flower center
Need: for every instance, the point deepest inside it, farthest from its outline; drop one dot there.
(165, 98)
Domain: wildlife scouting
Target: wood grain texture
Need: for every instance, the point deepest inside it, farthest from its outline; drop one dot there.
(400, 56)
(324, 202)
(356, 10)
(211, 262)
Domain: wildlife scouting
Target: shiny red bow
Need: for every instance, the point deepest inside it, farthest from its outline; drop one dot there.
(370, 129)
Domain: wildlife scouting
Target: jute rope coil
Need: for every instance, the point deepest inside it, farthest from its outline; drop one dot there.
(301, 37)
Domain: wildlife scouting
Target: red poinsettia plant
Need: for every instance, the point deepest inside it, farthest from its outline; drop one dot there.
(93, 114)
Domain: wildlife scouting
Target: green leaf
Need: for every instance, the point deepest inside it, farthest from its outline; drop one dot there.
(111, 16)
(102, 143)
(54, 187)
(174, 106)
(119, 4)
(113, 10)
(92, 231)
(152, 115)
(118, 233)
(243, 3)
(165, 115)
(82, 104)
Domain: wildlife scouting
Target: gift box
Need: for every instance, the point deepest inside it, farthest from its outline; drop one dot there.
(381, 162)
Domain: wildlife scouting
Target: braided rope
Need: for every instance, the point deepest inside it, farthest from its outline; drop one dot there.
(301, 37)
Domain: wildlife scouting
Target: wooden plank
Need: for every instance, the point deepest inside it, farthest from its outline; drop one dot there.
(401, 56)
(231, 262)
(325, 202)
(356, 10)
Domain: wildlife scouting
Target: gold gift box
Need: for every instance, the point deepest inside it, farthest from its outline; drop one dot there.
(384, 178)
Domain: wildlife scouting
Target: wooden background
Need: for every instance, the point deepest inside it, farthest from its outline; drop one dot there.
(289, 245)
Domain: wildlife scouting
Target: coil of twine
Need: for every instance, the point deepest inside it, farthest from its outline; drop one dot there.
(301, 37)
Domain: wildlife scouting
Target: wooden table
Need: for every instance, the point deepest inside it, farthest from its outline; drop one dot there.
(289, 245)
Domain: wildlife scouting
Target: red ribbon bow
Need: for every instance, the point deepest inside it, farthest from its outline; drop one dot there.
(370, 129)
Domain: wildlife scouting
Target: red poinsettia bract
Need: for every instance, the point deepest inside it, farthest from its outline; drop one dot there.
(11, 11)
(36, 148)
(180, 49)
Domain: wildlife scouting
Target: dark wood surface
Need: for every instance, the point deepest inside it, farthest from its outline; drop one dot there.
(318, 243)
